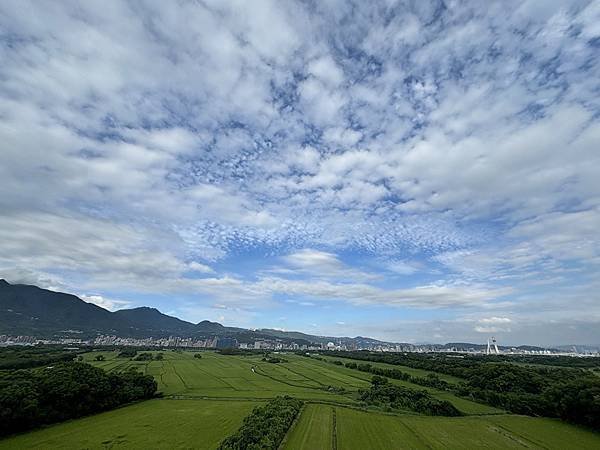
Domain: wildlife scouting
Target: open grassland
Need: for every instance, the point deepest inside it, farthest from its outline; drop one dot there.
(358, 430)
(156, 424)
(314, 429)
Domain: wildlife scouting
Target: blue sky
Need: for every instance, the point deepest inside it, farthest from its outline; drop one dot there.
(412, 171)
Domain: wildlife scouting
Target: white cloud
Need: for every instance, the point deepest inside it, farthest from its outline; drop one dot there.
(323, 264)
(496, 320)
(199, 267)
(106, 303)
(133, 142)
(404, 267)
(426, 296)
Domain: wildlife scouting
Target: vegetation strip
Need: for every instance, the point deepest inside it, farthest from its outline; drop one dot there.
(266, 427)
(333, 429)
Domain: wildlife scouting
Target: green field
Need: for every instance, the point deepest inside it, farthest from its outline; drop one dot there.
(179, 374)
(206, 399)
(217, 376)
(314, 430)
(358, 430)
(156, 424)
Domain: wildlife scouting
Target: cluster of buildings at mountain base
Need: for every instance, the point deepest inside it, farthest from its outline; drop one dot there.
(221, 342)
(217, 342)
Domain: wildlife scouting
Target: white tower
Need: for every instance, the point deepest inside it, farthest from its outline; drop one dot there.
(495, 346)
(492, 347)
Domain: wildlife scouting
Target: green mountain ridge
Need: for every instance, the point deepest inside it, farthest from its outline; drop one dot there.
(30, 310)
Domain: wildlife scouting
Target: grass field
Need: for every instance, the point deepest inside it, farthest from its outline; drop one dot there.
(217, 376)
(409, 370)
(154, 424)
(314, 430)
(358, 430)
(206, 400)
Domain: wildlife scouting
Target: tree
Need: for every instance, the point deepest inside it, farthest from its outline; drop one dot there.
(99, 358)
(33, 397)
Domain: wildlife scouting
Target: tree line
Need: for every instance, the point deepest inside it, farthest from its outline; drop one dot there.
(265, 427)
(431, 380)
(27, 357)
(30, 398)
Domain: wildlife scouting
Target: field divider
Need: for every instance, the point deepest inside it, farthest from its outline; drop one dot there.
(333, 428)
(399, 413)
(256, 371)
(417, 435)
(517, 437)
(305, 376)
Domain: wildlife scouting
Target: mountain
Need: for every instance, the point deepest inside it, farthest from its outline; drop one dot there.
(30, 310)
(151, 320)
(210, 327)
(27, 309)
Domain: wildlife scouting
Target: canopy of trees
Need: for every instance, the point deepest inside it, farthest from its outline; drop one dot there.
(26, 357)
(382, 393)
(127, 353)
(431, 380)
(274, 360)
(33, 397)
(265, 427)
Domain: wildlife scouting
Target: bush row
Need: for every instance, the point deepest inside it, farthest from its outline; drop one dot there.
(265, 427)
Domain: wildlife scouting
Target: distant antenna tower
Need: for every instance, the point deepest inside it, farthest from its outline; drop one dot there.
(495, 346)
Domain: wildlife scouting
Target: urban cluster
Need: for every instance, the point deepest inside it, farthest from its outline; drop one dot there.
(220, 342)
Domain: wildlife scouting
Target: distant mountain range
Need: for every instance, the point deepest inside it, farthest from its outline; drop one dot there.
(32, 311)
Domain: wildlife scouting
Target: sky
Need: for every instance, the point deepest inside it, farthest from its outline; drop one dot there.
(420, 171)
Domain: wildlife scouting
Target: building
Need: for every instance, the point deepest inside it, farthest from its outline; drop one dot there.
(227, 342)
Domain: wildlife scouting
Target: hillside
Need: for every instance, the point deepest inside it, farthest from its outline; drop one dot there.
(30, 310)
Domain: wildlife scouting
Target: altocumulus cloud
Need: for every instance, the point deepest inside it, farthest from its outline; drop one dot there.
(382, 158)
